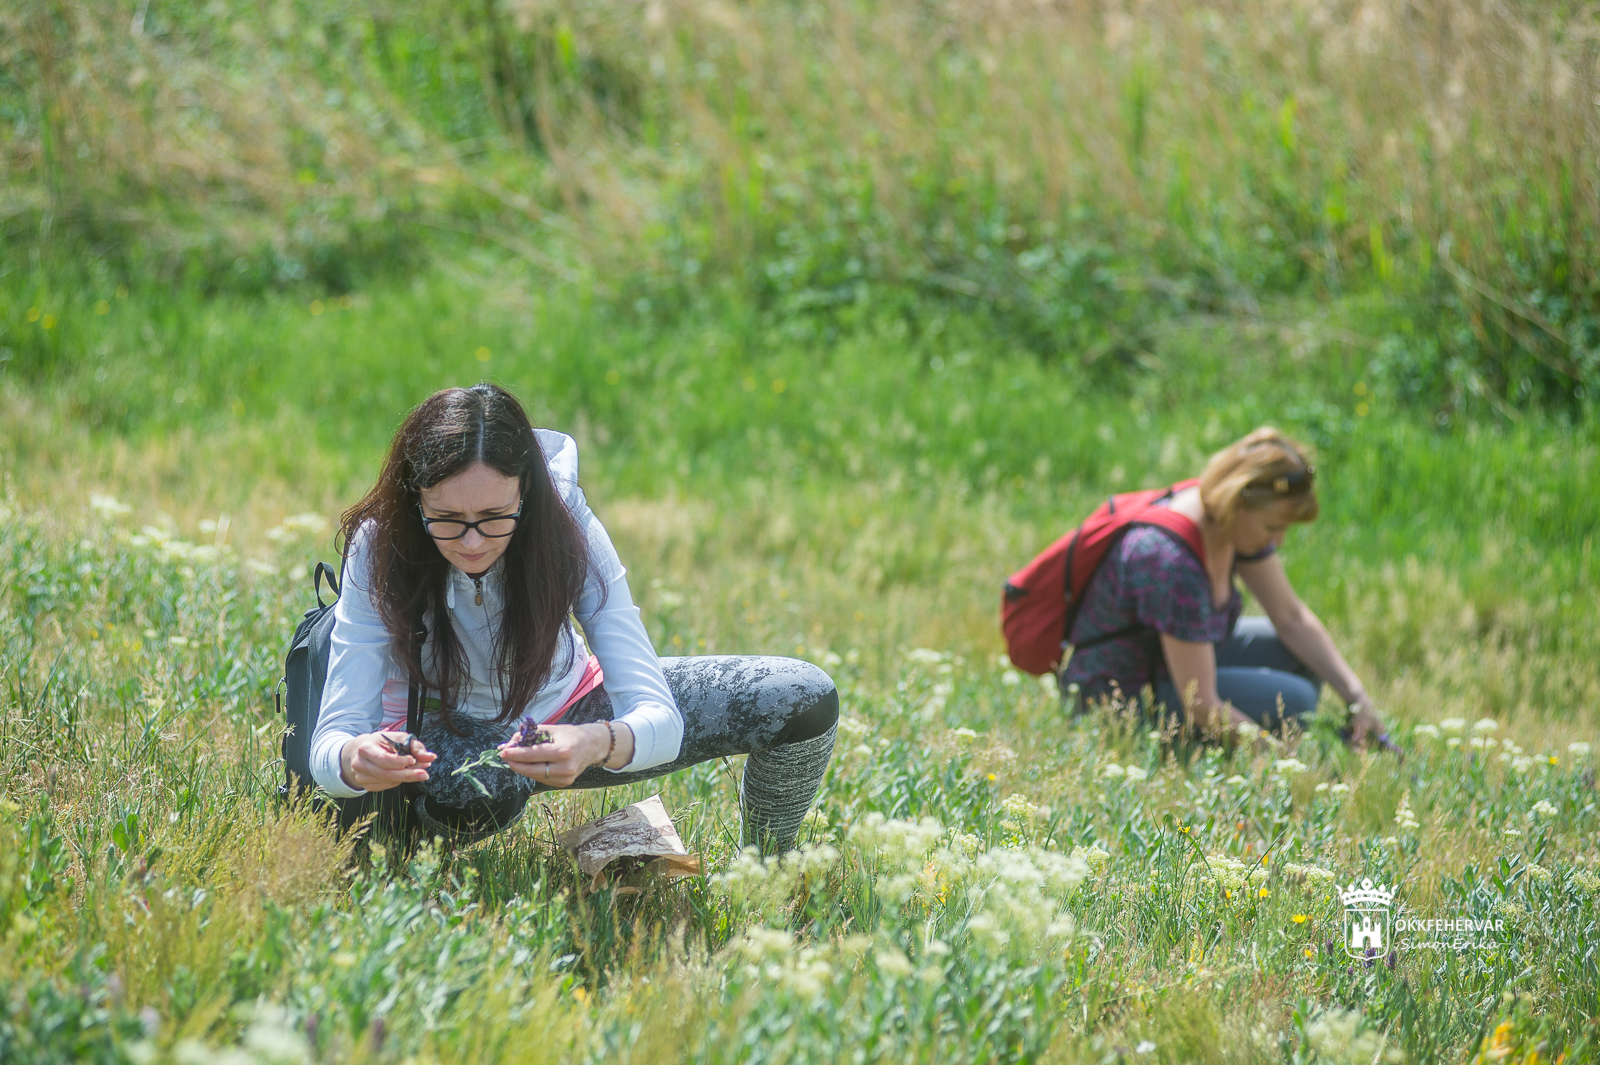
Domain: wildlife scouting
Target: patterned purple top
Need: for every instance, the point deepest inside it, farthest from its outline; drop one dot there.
(1153, 579)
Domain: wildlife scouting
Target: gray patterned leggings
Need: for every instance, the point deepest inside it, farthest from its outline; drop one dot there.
(782, 712)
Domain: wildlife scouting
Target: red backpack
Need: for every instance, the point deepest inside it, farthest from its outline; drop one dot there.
(1042, 599)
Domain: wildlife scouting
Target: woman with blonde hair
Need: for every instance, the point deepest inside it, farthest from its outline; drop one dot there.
(1156, 615)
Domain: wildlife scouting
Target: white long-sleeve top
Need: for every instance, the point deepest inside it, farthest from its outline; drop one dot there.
(361, 663)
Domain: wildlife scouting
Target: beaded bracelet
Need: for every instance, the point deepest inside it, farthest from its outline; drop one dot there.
(612, 748)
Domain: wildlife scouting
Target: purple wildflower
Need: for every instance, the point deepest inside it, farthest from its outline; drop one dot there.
(532, 734)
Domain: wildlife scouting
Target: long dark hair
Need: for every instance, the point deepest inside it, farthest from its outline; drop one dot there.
(546, 562)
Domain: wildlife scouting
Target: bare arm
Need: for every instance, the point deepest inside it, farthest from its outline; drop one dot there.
(1193, 667)
(1303, 633)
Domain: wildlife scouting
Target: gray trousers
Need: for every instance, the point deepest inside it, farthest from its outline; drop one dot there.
(1254, 671)
(782, 712)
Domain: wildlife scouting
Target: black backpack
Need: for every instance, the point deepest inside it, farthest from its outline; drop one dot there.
(305, 673)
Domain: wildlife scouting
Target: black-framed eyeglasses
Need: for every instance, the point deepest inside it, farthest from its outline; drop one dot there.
(495, 528)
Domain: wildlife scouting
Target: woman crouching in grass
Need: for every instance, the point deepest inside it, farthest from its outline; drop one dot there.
(1176, 617)
(466, 563)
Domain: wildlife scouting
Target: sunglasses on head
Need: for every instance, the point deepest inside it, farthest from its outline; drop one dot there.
(1287, 484)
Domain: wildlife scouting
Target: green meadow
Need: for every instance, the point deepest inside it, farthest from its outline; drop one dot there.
(852, 308)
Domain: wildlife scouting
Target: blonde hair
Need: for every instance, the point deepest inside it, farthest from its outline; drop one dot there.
(1262, 470)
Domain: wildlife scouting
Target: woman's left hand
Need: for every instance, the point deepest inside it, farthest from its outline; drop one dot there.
(571, 750)
(1364, 724)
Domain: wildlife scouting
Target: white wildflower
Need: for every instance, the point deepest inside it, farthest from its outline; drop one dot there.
(1453, 724)
(1236, 780)
(924, 656)
(110, 506)
(297, 525)
(1289, 766)
(1111, 770)
(892, 961)
(1337, 1038)
(1312, 877)
(274, 1037)
(1018, 807)
(1134, 772)
(807, 976)
(1227, 874)
(1544, 808)
(965, 843)
(1094, 856)
(1403, 815)
(892, 842)
(759, 942)
(986, 927)
(1578, 749)
(1538, 873)
(1485, 724)
(963, 734)
(1430, 731)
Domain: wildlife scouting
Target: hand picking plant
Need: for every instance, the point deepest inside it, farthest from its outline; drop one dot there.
(530, 734)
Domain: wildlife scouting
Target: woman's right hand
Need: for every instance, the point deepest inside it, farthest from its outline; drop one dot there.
(369, 763)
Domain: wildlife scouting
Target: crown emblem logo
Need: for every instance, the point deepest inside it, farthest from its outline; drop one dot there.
(1366, 918)
(1366, 896)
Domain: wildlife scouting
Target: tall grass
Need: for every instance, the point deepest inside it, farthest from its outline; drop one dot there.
(1075, 171)
(852, 308)
(1024, 903)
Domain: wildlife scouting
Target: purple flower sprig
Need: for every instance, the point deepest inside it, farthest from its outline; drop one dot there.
(532, 733)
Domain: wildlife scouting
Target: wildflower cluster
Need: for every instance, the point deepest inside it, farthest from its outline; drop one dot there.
(1313, 877)
(773, 956)
(1017, 819)
(1228, 876)
(764, 884)
(297, 526)
(1095, 857)
(1403, 815)
(1338, 1038)
(169, 548)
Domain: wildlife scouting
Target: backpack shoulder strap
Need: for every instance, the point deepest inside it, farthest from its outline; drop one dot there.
(335, 580)
(1180, 527)
(1113, 520)
(414, 694)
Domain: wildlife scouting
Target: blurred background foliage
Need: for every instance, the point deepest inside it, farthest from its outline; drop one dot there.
(1074, 175)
